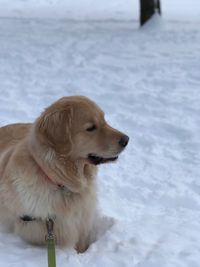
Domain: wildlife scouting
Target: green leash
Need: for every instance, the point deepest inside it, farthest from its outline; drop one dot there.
(50, 238)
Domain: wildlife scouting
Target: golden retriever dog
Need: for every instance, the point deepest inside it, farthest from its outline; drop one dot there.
(48, 169)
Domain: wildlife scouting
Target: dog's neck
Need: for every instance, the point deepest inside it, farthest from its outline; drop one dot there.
(75, 175)
(45, 175)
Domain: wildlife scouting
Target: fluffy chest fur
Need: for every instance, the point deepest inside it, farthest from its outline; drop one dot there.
(24, 190)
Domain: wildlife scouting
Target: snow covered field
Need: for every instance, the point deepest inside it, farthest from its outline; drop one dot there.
(148, 83)
(101, 10)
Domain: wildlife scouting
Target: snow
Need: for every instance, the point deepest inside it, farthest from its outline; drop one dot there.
(71, 10)
(181, 10)
(147, 81)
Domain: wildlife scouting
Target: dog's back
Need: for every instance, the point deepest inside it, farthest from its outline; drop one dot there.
(12, 134)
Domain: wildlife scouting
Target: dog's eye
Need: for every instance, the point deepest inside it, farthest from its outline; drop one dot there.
(92, 128)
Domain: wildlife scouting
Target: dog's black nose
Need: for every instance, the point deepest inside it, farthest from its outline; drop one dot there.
(124, 141)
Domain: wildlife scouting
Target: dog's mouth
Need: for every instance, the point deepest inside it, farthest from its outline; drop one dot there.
(94, 159)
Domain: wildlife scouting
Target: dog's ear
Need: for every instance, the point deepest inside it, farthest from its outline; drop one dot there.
(54, 128)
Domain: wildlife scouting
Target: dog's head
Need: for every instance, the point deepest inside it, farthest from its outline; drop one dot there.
(75, 127)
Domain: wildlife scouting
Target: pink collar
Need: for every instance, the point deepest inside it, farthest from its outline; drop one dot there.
(47, 178)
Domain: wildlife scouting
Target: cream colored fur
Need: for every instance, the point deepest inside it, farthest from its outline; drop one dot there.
(56, 145)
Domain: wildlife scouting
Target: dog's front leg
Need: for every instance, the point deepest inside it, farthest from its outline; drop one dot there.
(83, 243)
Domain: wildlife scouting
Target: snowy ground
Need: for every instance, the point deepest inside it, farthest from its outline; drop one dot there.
(148, 83)
(101, 10)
